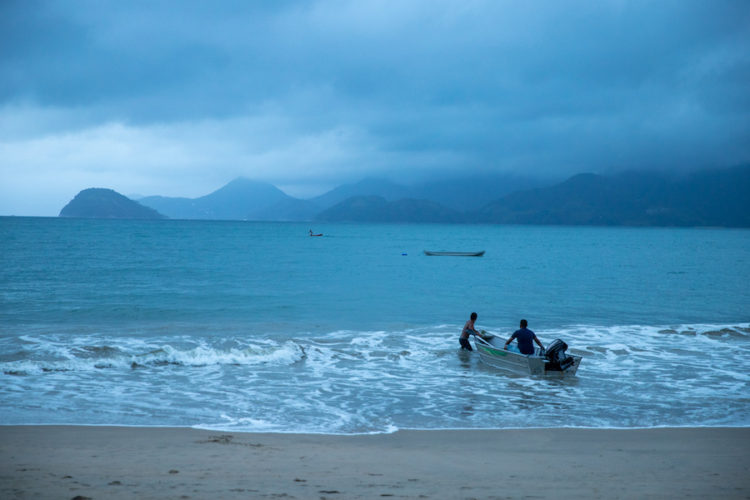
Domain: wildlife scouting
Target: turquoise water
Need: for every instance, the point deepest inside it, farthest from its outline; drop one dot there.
(257, 326)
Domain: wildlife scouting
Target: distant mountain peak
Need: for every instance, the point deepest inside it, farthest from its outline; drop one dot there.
(102, 203)
(239, 199)
(244, 182)
(244, 187)
(366, 187)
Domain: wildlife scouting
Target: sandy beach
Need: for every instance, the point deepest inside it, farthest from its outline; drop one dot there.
(64, 462)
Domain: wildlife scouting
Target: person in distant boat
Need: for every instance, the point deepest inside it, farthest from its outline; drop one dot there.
(311, 233)
(525, 338)
(468, 330)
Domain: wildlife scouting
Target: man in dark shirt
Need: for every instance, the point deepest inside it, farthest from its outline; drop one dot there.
(524, 336)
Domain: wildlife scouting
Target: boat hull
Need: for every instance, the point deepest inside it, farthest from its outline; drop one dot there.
(454, 254)
(491, 352)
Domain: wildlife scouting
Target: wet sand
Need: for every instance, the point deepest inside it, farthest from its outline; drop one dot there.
(64, 462)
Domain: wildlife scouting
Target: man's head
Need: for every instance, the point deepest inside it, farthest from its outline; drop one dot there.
(473, 316)
(524, 323)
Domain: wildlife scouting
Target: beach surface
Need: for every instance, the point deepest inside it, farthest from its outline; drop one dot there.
(65, 462)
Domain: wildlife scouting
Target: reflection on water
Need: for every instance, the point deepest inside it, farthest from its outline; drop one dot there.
(465, 359)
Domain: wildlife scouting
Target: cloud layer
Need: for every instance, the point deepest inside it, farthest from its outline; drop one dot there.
(177, 98)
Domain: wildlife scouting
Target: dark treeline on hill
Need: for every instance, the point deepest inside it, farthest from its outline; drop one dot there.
(378, 209)
(705, 198)
(99, 203)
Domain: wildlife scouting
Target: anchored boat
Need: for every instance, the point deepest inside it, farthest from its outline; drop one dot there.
(454, 254)
(553, 361)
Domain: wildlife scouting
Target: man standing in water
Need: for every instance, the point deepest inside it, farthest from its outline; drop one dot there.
(468, 330)
(525, 338)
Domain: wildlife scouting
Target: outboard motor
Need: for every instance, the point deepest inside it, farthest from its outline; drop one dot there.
(558, 360)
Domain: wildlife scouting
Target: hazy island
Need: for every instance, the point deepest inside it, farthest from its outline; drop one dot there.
(102, 203)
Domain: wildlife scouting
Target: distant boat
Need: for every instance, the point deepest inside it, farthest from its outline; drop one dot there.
(313, 234)
(454, 254)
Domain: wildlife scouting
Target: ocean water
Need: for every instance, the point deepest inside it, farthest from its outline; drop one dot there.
(245, 326)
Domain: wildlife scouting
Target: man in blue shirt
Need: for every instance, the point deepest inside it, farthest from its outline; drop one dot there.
(524, 336)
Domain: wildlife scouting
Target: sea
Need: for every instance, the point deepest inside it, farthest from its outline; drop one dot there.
(256, 326)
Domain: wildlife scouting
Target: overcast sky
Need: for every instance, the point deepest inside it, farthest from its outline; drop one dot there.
(179, 97)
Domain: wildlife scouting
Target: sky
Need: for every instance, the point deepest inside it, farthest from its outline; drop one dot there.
(179, 97)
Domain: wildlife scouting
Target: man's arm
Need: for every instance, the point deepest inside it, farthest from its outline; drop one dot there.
(509, 341)
(536, 339)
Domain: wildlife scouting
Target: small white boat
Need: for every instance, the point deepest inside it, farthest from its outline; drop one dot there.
(553, 361)
(454, 254)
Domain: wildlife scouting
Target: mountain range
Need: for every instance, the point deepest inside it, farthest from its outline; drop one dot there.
(717, 197)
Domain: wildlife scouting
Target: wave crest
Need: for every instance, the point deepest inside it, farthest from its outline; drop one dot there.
(55, 358)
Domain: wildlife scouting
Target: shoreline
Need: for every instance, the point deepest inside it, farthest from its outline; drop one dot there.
(376, 433)
(41, 461)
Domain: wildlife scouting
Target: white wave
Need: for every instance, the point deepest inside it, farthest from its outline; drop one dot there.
(346, 382)
(36, 367)
(53, 357)
(283, 354)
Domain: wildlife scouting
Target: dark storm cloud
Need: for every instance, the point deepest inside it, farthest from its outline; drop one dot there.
(322, 92)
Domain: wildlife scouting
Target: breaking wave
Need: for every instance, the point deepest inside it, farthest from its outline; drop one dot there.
(375, 381)
(51, 356)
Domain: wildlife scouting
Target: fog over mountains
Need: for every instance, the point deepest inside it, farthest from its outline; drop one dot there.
(244, 199)
(703, 198)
